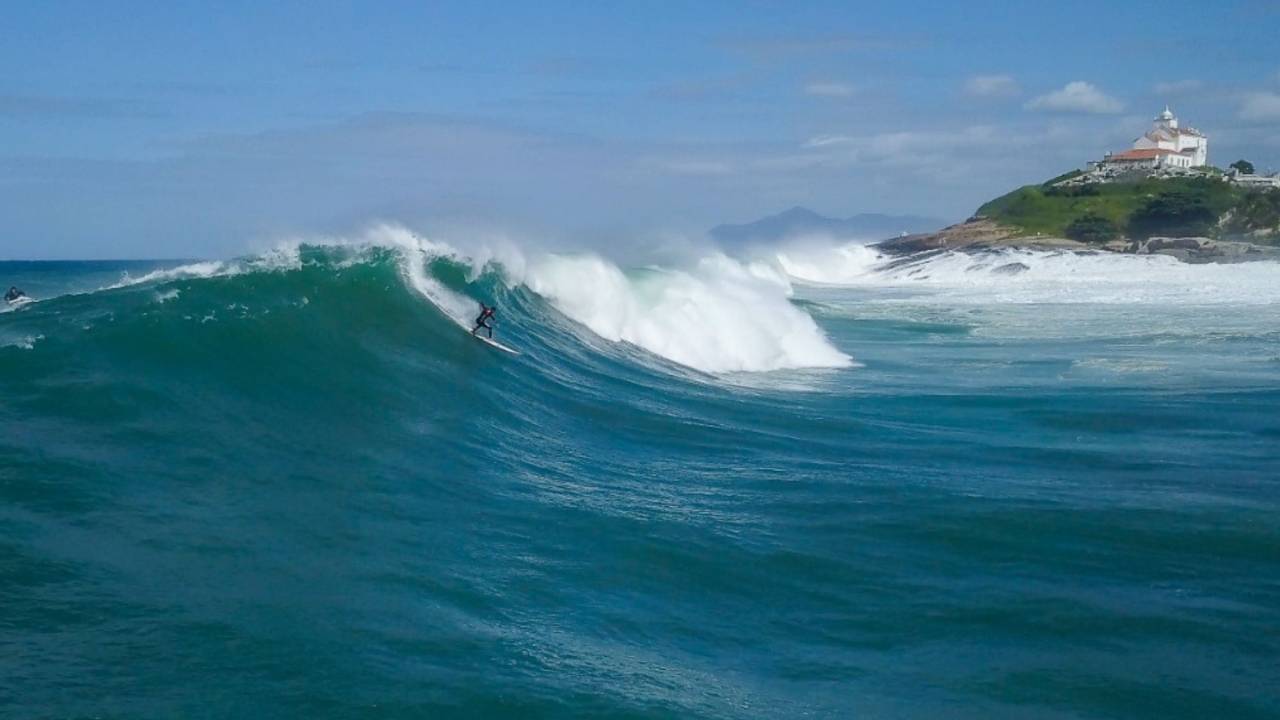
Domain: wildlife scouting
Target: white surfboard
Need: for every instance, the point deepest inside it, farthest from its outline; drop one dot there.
(495, 343)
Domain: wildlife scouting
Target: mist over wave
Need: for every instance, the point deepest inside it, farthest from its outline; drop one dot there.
(717, 316)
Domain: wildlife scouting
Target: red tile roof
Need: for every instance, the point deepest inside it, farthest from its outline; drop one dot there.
(1144, 154)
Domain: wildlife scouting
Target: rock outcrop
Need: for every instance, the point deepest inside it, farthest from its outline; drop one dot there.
(1202, 249)
(975, 234)
(978, 234)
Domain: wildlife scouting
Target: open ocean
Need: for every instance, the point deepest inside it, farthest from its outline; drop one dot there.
(816, 484)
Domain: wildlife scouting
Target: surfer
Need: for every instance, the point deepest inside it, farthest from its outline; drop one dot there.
(13, 295)
(486, 313)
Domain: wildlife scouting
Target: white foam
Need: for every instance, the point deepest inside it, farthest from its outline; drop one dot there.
(416, 252)
(718, 316)
(284, 257)
(1032, 276)
(206, 269)
(24, 342)
(829, 265)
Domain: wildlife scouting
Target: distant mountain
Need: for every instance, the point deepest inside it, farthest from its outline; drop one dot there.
(800, 221)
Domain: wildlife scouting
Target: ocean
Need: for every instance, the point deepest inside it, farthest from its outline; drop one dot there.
(803, 482)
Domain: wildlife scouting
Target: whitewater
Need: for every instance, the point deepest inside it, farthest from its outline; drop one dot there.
(799, 480)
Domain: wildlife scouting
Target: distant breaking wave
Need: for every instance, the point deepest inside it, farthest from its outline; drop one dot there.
(1036, 276)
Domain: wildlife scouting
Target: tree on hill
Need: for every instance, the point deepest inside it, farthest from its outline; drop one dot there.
(1092, 228)
(1243, 166)
(1256, 210)
(1177, 212)
(1139, 208)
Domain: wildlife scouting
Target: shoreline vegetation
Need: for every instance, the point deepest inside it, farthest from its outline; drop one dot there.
(1199, 217)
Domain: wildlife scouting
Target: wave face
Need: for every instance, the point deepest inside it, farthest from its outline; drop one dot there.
(293, 481)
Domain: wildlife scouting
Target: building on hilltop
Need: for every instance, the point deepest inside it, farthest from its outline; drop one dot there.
(1166, 145)
(1148, 158)
(1166, 135)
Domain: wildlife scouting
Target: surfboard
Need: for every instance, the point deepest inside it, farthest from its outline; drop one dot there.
(495, 343)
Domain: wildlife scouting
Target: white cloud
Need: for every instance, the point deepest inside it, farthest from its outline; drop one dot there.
(1260, 106)
(991, 86)
(944, 155)
(1177, 87)
(830, 89)
(818, 141)
(1077, 97)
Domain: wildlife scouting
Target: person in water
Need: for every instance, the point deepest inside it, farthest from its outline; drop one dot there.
(13, 294)
(486, 314)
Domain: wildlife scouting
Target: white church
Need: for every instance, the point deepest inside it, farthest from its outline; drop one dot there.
(1165, 145)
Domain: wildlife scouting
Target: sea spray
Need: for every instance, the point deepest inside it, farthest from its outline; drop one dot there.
(1035, 276)
(717, 316)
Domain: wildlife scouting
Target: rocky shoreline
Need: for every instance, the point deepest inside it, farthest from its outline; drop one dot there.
(982, 234)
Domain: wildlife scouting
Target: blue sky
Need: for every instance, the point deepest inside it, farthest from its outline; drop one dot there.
(187, 129)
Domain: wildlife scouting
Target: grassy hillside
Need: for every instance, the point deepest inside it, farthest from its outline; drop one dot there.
(1098, 212)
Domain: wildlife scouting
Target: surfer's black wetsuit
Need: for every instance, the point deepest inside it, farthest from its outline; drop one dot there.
(13, 294)
(485, 314)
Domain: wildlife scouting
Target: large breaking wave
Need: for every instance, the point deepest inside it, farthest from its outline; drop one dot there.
(718, 315)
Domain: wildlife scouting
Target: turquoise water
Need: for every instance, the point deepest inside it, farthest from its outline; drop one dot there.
(295, 488)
